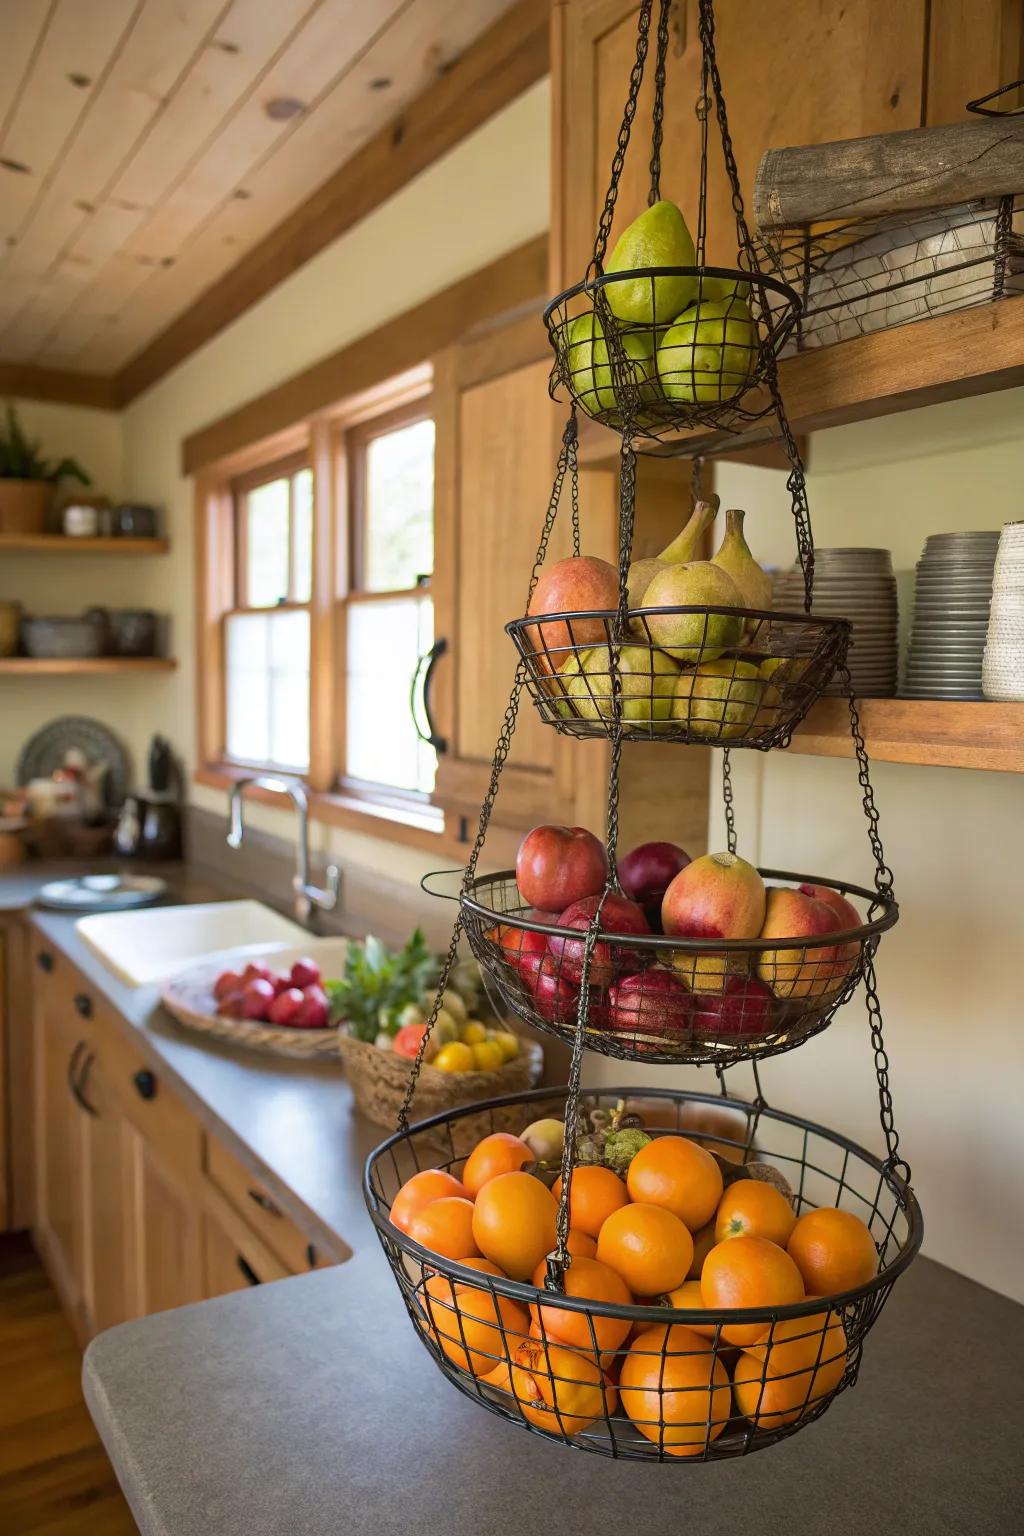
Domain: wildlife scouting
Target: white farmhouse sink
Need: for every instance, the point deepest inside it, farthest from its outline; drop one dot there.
(143, 947)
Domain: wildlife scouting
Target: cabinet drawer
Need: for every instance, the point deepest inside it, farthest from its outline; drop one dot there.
(259, 1209)
(144, 1098)
(233, 1255)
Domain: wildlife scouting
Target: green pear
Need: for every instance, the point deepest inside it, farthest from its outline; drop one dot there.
(709, 353)
(686, 544)
(700, 636)
(591, 369)
(719, 289)
(734, 557)
(719, 699)
(639, 577)
(647, 679)
(658, 238)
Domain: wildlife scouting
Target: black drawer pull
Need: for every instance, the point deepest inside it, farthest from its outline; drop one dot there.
(264, 1202)
(78, 1071)
(145, 1083)
(44, 960)
(83, 1004)
(246, 1269)
(311, 1256)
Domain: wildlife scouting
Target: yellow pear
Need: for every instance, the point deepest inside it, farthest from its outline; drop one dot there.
(686, 544)
(734, 557)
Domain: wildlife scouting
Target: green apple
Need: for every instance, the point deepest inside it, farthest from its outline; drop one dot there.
(709, 353)
(647, 679)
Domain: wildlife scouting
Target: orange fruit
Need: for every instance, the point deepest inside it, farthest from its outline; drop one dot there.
(753, 1208)
(782, 1377)
(833, 1250)
(559, 1390)
(514, 1222)
(647, 1246)
(476, 1329)
(581, 1245)
(704, 1240)
(675, 1390)
(593, 1194)
(445, 1226)
(678, 1174)
(687, 1297)
(415, 1193)
(590, 1280)
(500, 1153)
(748, 1272)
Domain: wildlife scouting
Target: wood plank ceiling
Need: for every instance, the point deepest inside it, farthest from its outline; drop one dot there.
(147, 145)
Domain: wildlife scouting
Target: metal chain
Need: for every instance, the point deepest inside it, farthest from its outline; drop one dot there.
(1004, 236)
(566, 457)
(885, 1111)
(696, 477)
(574, 483)
(658, 112)
(559, 1260)
(706, 32)
(501, 752)
(883, 874)
(730, 815)
(604, 227)
(796, 483)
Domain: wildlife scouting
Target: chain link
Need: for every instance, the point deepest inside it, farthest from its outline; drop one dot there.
(883, 874)
(558, 1261)
(566, 459)
(885, 1111)
(730, 815)
(574, 483)
(604, 227)
(658, 112)
(696, 477)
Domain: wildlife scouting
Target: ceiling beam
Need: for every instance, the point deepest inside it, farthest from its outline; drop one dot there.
(26, 382)
(505, 61)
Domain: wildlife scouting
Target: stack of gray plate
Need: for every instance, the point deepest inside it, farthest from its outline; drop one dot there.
(952, 597)
(859, 585)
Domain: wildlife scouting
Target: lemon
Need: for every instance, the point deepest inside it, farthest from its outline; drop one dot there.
(473, 1033)
(455, 1057)
(488, 1056)
(507, 1043)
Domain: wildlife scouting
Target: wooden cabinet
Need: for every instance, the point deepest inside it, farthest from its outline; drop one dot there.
(497, 443)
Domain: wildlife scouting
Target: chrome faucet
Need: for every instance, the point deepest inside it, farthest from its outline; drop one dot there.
(307, 896)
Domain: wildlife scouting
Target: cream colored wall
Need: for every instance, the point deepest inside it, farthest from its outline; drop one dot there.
(950, 972)
(485, 197)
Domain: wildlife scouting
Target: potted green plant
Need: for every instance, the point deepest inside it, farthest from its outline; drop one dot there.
(26, 478)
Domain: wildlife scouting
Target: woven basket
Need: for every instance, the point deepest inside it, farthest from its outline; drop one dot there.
(380, 1078)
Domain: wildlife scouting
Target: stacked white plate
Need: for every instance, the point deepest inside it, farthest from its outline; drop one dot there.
(1003, 670)
(952, 594)
(858, 585)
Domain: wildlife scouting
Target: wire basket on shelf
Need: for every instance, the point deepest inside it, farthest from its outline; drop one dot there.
(657, 998)
(684, 675)
(650, 1382)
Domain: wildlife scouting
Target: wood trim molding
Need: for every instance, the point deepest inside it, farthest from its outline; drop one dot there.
(396, 347)
(511, 56)
(26, 382)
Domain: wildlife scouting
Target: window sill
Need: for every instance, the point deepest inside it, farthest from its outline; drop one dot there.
(412, 826)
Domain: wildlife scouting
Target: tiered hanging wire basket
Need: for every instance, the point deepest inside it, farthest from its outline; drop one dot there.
(746, 999)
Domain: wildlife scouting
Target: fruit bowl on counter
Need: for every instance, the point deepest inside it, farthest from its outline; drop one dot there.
(275, 1002)
(712, 1304)
(695, 960)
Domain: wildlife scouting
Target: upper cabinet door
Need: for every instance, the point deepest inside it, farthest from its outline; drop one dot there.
(793, 72)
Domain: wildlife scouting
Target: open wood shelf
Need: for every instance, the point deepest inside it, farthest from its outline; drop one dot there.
(968, 352)
(64, 544)
(934, 732)
(31, 666)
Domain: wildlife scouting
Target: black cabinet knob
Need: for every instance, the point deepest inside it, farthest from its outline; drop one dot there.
(83, 1004)
(44, 960)
(311, 1256)
(145, 1084)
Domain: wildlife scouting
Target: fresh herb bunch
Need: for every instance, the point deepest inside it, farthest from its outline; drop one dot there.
(20, 458)
(377, 984)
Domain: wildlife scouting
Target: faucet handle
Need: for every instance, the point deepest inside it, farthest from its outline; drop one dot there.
(326, 899)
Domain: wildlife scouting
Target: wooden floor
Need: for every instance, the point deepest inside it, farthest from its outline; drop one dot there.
(54, 1474)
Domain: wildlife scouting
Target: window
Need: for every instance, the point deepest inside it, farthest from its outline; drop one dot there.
(388, 613)
(267, 630)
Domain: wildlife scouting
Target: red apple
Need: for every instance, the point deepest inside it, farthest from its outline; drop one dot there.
(607, 960)
(646, 873)
(847, 915)
(652, 1003)
(286, 1005)
(718, 896)
(803, 971)
(742, 1010)
(517, 943)
(305, 973)
(554, 995)
(226, 983)
(574, 585)
(312, 1012)
(556, 866)
(280, 982)
(230, 1005)
(257, 998)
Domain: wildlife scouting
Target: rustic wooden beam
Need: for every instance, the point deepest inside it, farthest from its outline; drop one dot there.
(890, 172)
(25, 382)
(510, 57)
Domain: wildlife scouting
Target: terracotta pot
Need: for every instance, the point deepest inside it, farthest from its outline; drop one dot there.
(23, 506)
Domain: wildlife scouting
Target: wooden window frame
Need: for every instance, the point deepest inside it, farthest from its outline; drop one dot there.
(241, 487)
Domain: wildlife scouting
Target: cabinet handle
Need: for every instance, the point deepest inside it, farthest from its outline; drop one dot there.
(145, 1083)
(76, 1080)
(247, 1271)
(264, 1202)
(44, 960)
(311, 1256)
(429, 659)
(83, 1004)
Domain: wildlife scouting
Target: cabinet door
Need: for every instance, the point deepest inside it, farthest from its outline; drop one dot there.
(233, 1257)
(163, 1255)
(105, 1219)
(793, 72)
(61, 1148)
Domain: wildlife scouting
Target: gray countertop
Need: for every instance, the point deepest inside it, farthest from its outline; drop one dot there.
(309, 1407)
